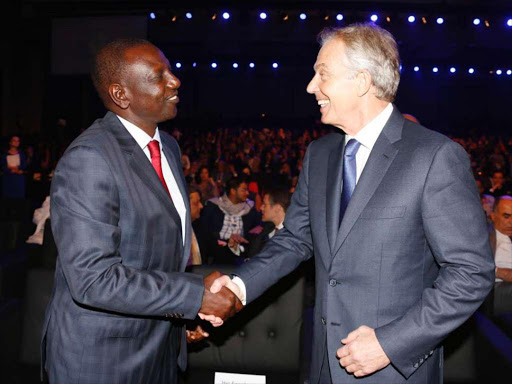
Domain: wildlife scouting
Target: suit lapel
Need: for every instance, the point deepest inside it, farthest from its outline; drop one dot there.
(381, 157)
(334, 184)
(140, 164)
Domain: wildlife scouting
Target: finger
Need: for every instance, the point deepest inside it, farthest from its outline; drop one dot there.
(218, 324)
(352, 368)
(359, 373)
(342, 352)
(219, 283)
(351, 336)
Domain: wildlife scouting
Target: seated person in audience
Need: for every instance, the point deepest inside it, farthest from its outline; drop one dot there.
(273, 209)
(500, 238)
(13, 164)
(195, 212)
(206, 185)
(499, 185)
(230, 216)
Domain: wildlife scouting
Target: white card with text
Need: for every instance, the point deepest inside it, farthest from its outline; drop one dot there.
(238, 378)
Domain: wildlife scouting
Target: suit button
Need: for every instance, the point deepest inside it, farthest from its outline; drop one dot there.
(333, 282)
(323, 321)
(241, 334)
(271, 334)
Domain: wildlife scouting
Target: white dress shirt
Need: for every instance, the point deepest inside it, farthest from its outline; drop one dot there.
(503, 256)
(367, 136)
(143, 139)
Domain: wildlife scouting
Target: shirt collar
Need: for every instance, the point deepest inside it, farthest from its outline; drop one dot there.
(371, 131)
(501, 236)
(141, 137)
(280, 226)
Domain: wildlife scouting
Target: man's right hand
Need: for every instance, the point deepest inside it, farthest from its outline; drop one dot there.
(220, 306)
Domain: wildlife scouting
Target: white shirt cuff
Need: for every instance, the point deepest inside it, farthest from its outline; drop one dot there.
(238, 281)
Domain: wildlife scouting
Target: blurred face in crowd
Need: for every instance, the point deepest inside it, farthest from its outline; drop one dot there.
(240, 194)
(334, 85)
(270, 212)
(497, 179)
(502, 216)
(149, 91)
(205, 174)
(14, 142)
(195, 206)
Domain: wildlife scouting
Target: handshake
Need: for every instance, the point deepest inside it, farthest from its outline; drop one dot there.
(221, 299)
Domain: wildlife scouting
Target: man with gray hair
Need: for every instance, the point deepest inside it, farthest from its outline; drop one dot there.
(391, 213)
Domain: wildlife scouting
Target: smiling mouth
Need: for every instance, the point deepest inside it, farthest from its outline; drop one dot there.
(173, 98)
(323, 103)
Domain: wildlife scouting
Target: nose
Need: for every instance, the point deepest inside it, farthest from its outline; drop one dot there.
(174, 82)
(201, 205)
(312, 86)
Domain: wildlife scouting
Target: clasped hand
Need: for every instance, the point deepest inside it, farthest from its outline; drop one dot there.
(219, 303)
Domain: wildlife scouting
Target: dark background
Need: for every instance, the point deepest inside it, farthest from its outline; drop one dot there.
(48, 45)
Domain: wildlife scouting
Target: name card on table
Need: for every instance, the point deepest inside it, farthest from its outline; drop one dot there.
(238, 378)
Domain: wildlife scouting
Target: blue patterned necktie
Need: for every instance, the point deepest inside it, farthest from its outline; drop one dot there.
(349, 174)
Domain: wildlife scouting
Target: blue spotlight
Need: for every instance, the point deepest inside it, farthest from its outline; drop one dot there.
(509, 22)
(302, 16)
(251, 65)
(263, 15)
(152, 15)
(226, 15)
(499, 72)
(178, 65)
(471, 71)
(411, 19)
(416, 69)
(194, 64)
(476, 21)
(275, 65)
(453, 70)
(188, 15)
(400, 68)
(440, 20)
(374, 17)
(214, 65)
(435, 69)
(509, 72)
(235, 65)
(339, 17)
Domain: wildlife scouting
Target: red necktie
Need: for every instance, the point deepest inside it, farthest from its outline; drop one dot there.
(156, 160)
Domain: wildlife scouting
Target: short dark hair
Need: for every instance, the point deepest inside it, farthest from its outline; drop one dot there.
(193, 189)
(497, 200)
(279, 196)
(109, 64)
(234, 183)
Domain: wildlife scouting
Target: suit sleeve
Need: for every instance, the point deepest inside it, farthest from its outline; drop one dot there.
(456, 233)
(285, 251)
(85, 212)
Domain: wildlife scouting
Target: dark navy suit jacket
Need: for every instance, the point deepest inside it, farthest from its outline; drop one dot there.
(411, 257)
(119, 286)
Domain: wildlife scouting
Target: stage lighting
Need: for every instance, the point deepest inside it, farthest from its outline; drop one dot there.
(374, 17)
(275, 65)
(339, 17)
(509, 72)
(188, 15)
(435, 69)
(476, 21)
(440, 20)
(509, 22)
(152, 15)
(302, 16)
(251, 65)
(214, 65)
(499, 72)
(235, 65)
(471, 71)
(400, 68)
(453, 70)
(416, 69)
(194, 64)
(263, 15)
(226, 15)
(411, 19)
(178, 65)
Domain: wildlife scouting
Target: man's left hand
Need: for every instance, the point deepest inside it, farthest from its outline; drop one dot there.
(362, 353)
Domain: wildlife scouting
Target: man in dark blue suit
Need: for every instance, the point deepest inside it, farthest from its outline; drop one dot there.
(121, 222)
(391, 213)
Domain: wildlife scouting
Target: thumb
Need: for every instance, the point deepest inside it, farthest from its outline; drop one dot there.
(219, 283)
(350, 337)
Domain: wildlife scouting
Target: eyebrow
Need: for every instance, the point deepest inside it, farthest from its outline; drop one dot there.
(317, 67)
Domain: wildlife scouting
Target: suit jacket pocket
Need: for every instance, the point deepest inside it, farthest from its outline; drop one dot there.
(383, 212)
(94, 327)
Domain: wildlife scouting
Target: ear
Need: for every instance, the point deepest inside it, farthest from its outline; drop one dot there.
(118, 95)
(364, 83)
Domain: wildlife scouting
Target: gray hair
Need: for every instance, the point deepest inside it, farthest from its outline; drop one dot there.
(371, 48)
